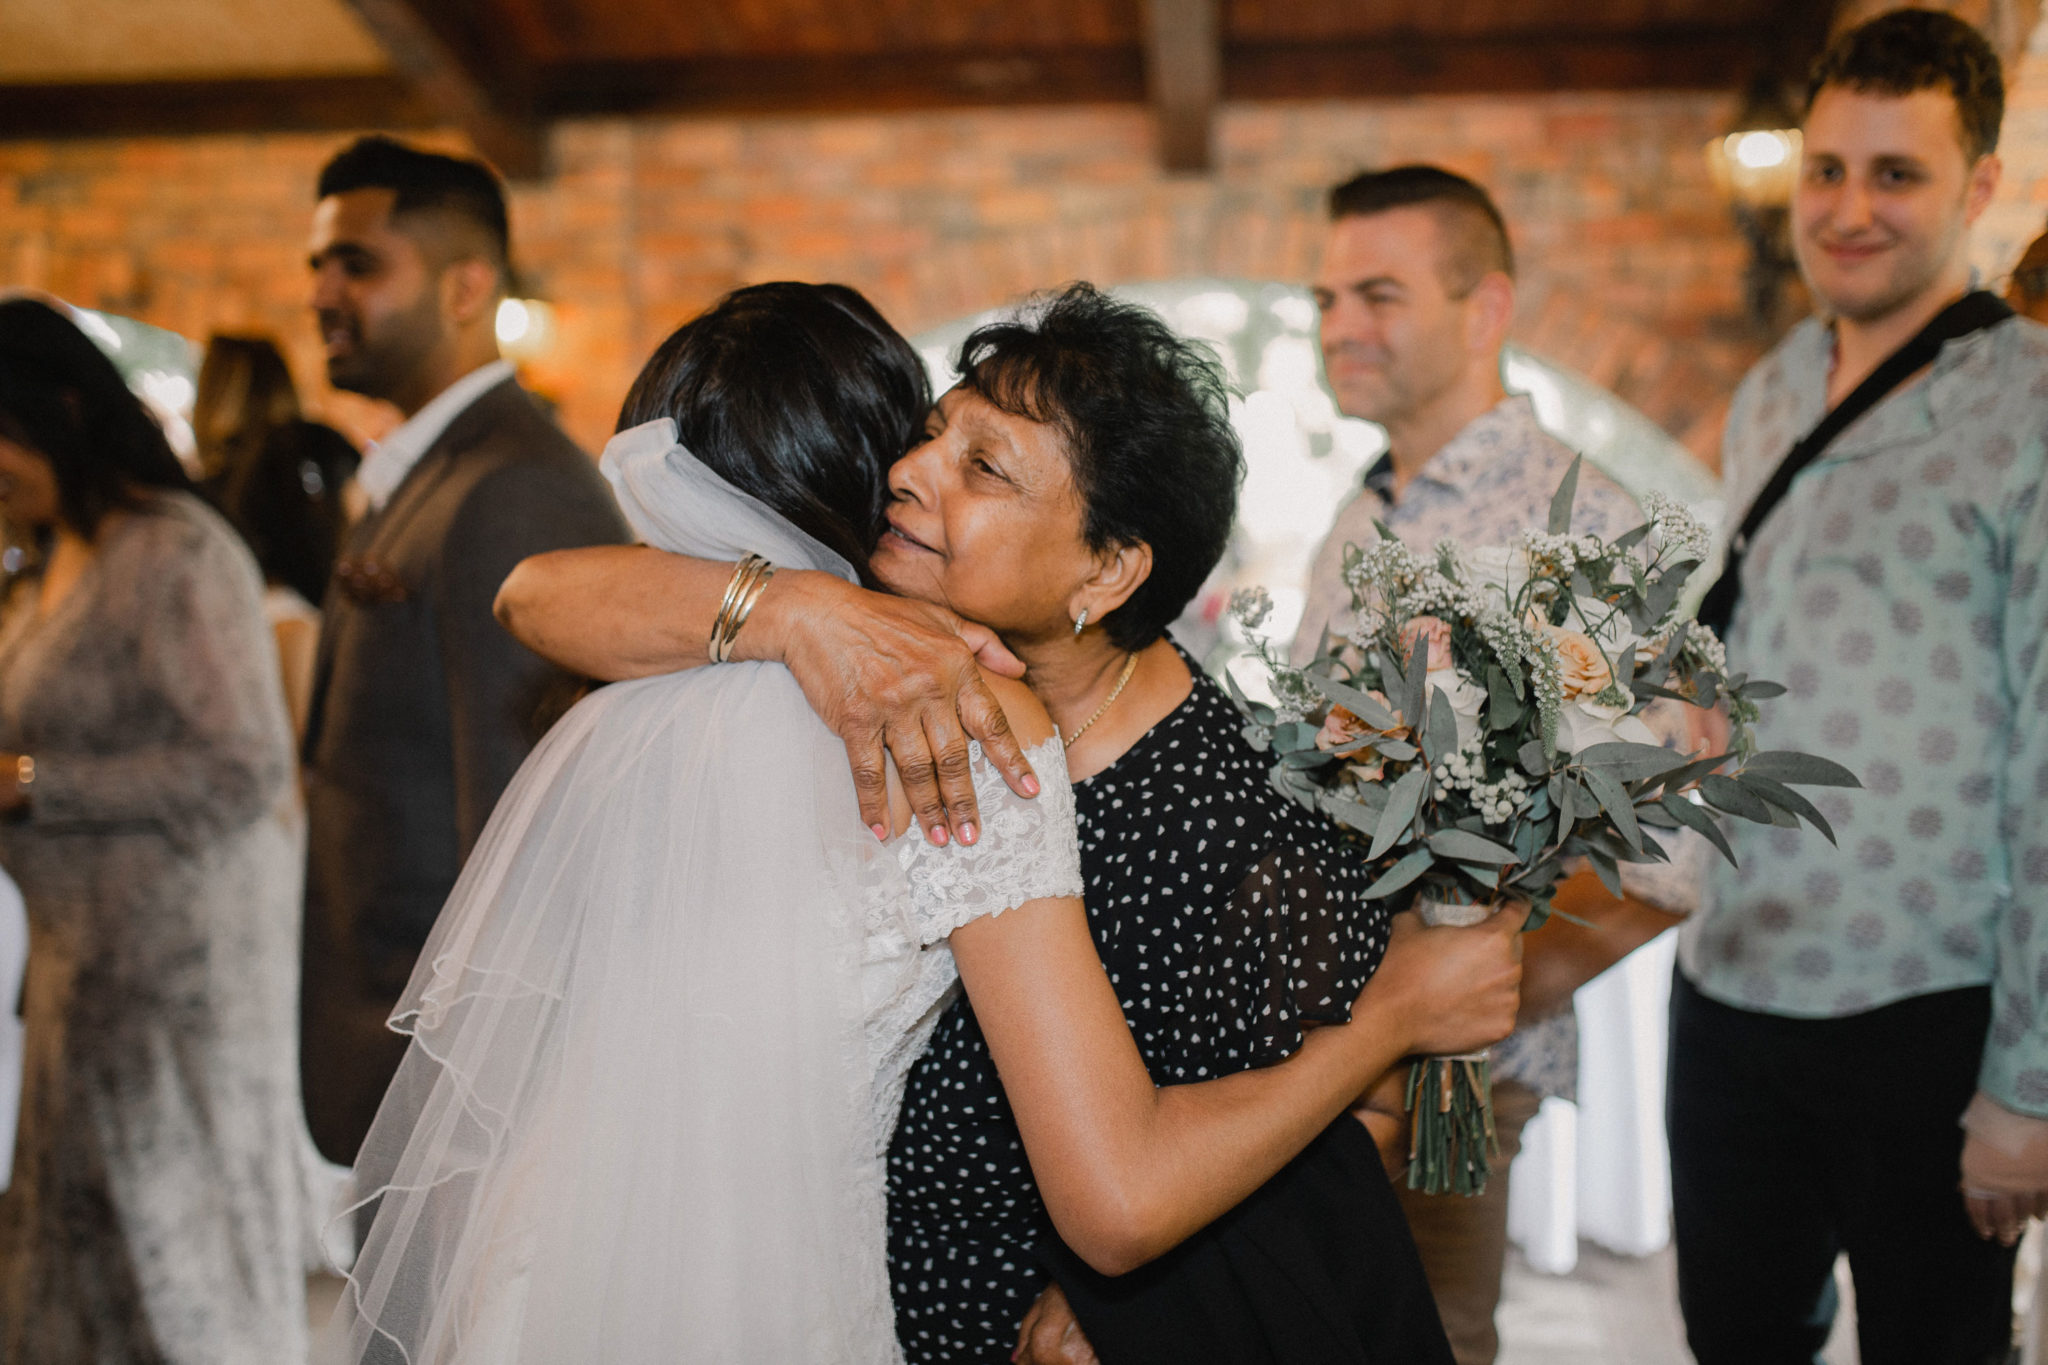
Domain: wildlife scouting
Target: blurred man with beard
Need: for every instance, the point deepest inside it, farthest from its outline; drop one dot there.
(1416, 292)
(422, 707)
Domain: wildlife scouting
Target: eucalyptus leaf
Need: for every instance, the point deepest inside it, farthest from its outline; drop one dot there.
(1726, 794)
(1659, 668)
(1806, 770)
(1697, 820)
(1414, 684)
(1762, 689)
(1362, 818)
(1503, 707)
(1366, 707)
(1782, 796)
(1404, 798)
(1400, 751)
(1679, 778)
(1401, 874)
(1628, 540)
(1629, 762)
(1443, 727)
(1652, 814)
(1305, 758)
(1534, 758)
(1561, 501)
(1565, 791)
(1259, 737)
(1615, 802)
(1610, 874)
(1294, 735)
(1467, 847)
(1664, 592)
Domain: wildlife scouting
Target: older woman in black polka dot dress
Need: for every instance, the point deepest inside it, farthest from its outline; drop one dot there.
(1072, 494)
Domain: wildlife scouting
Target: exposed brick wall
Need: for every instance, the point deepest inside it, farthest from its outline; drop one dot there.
(1631, 271)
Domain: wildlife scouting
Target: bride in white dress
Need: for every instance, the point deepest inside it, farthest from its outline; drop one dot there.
(661, 1028)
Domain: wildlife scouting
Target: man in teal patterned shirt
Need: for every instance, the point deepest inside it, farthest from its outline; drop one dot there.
(1860, 1054)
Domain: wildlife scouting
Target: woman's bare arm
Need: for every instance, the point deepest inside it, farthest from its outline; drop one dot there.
(1128, 1169)
(884, 673)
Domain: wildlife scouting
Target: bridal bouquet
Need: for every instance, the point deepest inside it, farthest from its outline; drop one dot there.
(1478, 730)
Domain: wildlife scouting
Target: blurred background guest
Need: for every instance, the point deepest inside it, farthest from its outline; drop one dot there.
(278, 478)
(2027, 290)
(154, 1210)
(422, 707)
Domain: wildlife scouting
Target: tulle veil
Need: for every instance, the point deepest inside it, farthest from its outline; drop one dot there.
(633, 1122)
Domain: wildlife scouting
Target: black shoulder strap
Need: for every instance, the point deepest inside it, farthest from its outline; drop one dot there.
(1972, 312)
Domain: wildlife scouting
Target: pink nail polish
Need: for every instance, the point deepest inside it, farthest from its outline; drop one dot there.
(881, 833)
(938, 835)
(1030, 784)
(968, 834)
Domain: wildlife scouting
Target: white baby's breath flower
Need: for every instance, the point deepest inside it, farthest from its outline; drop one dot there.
(1251, 606)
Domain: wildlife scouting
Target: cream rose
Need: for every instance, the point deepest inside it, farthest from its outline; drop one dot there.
(1581, 667)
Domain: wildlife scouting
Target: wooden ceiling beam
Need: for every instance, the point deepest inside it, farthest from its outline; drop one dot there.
(457, 84)
(1719, 58)
(1396, 67)
(1184, 74)
(167, 108)
(852, 84)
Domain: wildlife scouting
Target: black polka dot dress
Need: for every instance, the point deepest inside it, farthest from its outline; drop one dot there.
(1227, 917)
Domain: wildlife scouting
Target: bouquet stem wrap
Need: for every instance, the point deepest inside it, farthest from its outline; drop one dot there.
(1453, 1141)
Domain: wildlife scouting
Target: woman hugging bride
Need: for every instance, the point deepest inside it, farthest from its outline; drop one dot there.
(661, 1030)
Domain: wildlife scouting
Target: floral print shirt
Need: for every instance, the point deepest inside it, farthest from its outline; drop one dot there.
(1897, 592)
(1489, 483)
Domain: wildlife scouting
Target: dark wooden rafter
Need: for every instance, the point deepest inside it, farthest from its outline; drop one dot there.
(306, 104)
(504, 106)
(1184, 74)
(499, 117)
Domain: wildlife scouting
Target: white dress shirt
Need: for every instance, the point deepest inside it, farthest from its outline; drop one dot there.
(388, 461)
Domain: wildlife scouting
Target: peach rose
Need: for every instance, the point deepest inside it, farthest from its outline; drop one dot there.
(1582, 668)
(1342, 730)
(1433, 629)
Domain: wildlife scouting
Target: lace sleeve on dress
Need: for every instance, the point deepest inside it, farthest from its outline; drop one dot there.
(1027, 850)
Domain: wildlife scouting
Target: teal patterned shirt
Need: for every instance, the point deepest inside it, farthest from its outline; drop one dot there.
(1897, 592)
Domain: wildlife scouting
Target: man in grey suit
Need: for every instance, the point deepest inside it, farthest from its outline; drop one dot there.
(422, 706)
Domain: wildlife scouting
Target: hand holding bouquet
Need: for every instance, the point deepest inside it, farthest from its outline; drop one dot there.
(1477, 728)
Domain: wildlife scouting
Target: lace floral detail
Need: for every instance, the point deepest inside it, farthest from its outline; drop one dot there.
(1028, 850)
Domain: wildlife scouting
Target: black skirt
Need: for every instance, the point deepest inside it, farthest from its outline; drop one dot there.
(1317, 1267)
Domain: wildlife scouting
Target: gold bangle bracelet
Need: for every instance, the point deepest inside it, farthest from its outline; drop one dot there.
(741, 592)
(732, 593)
(745, 608)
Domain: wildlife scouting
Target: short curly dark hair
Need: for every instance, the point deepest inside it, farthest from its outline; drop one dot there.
(1146, 419)
(1909, 50)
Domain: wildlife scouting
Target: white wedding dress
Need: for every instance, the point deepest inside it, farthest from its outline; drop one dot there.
(661, 1029)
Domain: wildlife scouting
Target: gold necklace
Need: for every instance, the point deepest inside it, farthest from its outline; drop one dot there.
(1130, 667)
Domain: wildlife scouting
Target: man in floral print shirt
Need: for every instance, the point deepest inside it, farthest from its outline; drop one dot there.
(1841, 1008)
(1416, 292)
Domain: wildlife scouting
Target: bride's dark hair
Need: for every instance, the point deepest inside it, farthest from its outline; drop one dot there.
(799, 394)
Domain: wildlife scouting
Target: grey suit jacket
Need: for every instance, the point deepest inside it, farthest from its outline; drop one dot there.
(422, 709)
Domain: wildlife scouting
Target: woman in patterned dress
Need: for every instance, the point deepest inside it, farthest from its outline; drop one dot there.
(1073, 492)
(153, 1213)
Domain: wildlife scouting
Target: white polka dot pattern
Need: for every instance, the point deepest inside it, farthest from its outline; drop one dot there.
(1226, 916)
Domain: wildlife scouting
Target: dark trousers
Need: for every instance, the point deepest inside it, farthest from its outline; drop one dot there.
(1793, 1140)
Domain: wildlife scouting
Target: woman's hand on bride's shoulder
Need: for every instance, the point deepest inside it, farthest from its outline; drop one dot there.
(894, 676)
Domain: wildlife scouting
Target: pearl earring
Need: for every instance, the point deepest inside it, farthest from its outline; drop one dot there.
(1081, 620)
